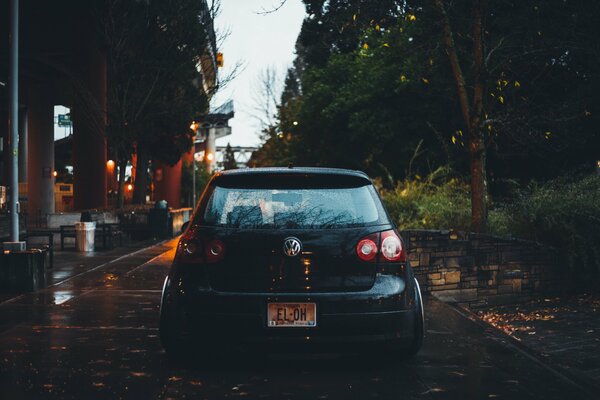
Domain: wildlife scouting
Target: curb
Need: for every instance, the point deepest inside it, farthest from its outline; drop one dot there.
(587, 387)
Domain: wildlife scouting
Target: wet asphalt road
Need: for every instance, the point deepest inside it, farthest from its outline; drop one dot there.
(96, 336)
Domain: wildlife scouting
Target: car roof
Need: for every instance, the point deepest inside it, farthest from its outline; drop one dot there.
(294, 171)
(327, 176)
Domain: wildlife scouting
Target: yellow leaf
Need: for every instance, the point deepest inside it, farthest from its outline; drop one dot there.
(354, 17)
(453, 139)
(418, 177)
(402, 78)
(425, 81)
(411, 17)
(459, 132)
(386, 45)
(517, 84)
(377, 27)
(501, 99)
(365, 46)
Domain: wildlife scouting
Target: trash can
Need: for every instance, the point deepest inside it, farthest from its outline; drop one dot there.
(84, 236)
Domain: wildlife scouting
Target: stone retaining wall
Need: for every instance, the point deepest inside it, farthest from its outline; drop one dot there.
(480, 269)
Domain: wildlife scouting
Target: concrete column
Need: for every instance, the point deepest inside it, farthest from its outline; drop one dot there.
(40, 160)
(210, 149)
(23, 145)
(88, 113)
(167, 183)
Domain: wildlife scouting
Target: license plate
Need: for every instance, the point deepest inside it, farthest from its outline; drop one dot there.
(280, 315)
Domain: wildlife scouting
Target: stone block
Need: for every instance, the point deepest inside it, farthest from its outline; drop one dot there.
(444, 287)
(489, 268)
(436, 275)
(436, 282)
(516, 285)
(452, 262)
(505, 289)
(452, 277)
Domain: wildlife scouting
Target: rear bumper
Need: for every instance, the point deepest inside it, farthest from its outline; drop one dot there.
(382, 314)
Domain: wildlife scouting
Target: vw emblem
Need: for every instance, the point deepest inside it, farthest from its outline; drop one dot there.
(292, 247)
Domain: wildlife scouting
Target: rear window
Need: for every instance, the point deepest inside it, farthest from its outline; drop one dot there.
(303, 208)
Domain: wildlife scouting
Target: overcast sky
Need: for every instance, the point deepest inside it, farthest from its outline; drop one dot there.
(257, 42)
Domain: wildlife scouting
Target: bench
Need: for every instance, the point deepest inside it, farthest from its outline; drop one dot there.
(49, 235)
(109, 232)
(66, 231)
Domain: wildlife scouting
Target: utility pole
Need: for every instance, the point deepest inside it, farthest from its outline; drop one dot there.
(13, 127)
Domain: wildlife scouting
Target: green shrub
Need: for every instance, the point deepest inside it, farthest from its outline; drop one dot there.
(562, 213)
(437, 202)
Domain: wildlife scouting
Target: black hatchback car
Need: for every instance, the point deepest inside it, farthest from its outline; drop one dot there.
(289, 256)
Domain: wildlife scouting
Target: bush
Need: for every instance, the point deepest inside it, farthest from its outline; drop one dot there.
(437, 202)
(563, 213)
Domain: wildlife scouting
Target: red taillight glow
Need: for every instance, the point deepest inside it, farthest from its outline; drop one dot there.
(192, 250)
(366, 250)
(391, 248)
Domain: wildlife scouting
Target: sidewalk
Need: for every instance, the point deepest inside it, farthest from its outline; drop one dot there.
(70, 263)
(563, 331)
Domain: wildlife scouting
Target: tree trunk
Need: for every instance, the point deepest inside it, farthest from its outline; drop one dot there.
(140, 187)
(121, 191)
(477, 147)
(472, 116)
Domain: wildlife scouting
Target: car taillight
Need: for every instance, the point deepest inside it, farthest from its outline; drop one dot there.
(366, 249)
(391, 247)
(387, 243)
(193, 250)
(215, 251)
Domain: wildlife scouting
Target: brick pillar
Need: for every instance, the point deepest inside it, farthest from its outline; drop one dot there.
(167, 183)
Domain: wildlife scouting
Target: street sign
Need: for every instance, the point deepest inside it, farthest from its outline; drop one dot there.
(64, 120)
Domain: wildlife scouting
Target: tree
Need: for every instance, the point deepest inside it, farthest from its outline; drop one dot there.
(229, 158)
(153, 48)
(497, 90)
(472, 110)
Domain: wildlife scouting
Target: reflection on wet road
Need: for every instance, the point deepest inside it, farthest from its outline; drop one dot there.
(95, 336)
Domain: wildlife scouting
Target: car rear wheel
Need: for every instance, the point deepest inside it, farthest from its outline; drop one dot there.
(172, 324)
(406, 350)
(419, 324)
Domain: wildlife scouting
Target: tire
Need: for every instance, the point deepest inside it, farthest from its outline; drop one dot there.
(172, 325)
(419, 324)
(402, 349)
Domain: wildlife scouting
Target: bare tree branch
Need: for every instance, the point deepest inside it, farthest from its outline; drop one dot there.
(272, 10)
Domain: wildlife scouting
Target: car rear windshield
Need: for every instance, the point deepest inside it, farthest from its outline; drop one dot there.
(303, 208)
